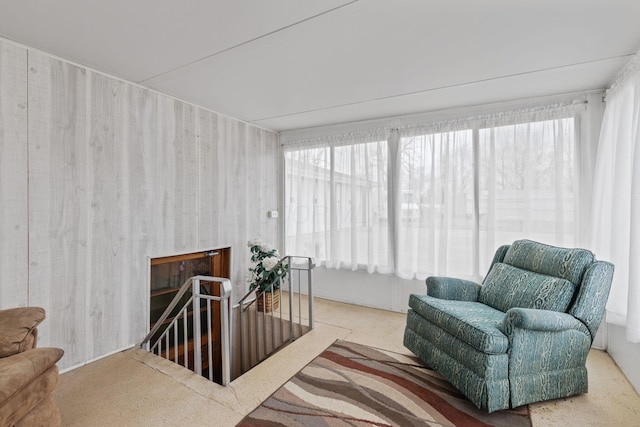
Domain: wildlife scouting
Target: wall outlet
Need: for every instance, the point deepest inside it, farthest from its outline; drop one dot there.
(272, 214)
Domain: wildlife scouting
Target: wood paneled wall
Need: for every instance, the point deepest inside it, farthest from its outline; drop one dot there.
(97, 176)
(14, 258)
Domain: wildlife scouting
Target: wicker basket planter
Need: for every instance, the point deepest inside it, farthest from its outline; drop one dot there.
(269, 301)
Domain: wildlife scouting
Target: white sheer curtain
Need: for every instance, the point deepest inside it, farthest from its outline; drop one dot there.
(528, 183)
(435, 222)
(434, 199)
(616, 228)
(336, 201)
(308, 202)
(494, 180)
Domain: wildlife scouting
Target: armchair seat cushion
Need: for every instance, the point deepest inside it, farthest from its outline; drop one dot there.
(476, 324)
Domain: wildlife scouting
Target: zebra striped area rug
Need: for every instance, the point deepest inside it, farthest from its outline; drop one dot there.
(354, 385)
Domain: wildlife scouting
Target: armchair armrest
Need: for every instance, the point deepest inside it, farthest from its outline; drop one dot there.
(452, 289)
(18, 329)
(541, 320)
(545, 341)
(19, 370)
(26, 380)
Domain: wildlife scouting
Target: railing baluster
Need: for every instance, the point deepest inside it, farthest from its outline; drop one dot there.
(175, 343)
(310, 292)
(273, 329)
(166, 346)
(300, 302)
(291, 332)
(185, 338)
(257, 336)
(264, 326)
(225, 344)
(280, 312)
(197, 329)
(241, 335)
(250, 317)
(209, 340)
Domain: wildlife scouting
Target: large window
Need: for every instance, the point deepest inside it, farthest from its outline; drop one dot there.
(308, 202)
(436, 222)
(526, 181)
(433, 200)
(336, 205)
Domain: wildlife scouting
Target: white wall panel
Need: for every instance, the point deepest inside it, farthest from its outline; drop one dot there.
(256, 188)
(109, 198)
(209, 180)
(140, 225)
(121, 134)
(58, 203)
(232, 196)
(270, 177)
(229, 171)
(185, 153)
(13, 176)
(163, 177)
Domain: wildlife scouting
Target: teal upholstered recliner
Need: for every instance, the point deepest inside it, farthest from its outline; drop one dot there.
(523, 335)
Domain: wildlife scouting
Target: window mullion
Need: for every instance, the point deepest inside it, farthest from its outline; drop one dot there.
(476, 201)
(333, 233)
(393, 174)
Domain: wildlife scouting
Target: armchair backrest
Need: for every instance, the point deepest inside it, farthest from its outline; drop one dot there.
(18, 329)
(534, 275)
(565, 263)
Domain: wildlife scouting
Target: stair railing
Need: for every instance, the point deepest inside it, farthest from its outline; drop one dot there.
(197, 301)
(262, 333)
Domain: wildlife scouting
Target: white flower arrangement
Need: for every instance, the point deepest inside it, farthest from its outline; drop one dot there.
(265, 268)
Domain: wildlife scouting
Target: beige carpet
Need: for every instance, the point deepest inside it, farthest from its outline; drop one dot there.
(355, 385)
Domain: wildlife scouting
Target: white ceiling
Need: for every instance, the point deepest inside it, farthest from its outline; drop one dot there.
(288, 64)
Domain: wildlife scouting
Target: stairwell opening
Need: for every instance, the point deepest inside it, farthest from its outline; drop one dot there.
(194, 323)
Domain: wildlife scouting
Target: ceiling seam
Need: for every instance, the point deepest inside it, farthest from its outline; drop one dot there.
(205, 58)
(382, 98)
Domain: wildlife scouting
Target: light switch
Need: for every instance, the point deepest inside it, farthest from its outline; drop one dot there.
(272, 214)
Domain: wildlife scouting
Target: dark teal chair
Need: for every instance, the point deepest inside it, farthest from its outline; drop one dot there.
(522, 336)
